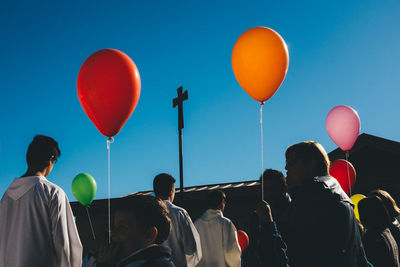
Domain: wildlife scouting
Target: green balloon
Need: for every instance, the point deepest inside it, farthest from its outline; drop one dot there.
(84, 188)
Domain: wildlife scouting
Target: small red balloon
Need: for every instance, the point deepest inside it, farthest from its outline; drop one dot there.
(108, 89)
(243, 240)
(344, 172)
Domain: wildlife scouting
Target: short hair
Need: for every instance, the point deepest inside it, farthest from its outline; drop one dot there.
(40, 151)
(274, 175)
(149, 212)
(388, 201)
(215, 198)
(373, 213)
(163, 185)
(308, 151)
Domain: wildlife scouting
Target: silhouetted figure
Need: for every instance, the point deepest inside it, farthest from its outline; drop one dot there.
(37, 227)
(218, 235)
(394, 212)
(323, 228)
(380, 246)
(141, 224)
(262, 248)
(184, 240)
(272, 249)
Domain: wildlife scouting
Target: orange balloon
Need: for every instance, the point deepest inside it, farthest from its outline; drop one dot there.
(260, 60)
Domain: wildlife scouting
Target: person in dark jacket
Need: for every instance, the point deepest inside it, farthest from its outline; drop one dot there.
(141, 224)
(322, 227)
(394, 212)
(380, 246)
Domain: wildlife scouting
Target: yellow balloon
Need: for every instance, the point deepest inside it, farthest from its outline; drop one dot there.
(260, 60)
(356, 198)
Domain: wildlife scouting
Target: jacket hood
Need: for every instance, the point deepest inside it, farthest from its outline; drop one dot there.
(20, 186)
(211, 214)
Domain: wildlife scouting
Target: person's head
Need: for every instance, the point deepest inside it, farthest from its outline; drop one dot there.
(216, 200)
(140, 221)
(275, 187)
(373, 214)
(305, 160)
(42, 153)
(388, 201)
(164, 186)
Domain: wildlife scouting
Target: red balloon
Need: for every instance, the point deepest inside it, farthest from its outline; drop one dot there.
(243, 240)
(108, 89)
(344, 172)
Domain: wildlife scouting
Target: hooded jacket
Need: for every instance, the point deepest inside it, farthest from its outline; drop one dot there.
(37, 227)
(219, 240)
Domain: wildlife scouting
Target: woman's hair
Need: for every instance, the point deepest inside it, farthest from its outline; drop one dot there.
(388, 201)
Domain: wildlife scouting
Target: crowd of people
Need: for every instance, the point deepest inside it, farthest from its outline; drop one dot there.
(305, 219)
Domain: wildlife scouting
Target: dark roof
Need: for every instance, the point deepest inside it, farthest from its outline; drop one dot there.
(372, 143)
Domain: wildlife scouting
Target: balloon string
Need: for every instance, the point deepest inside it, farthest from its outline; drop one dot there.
(348, 171)
(262, 151)
(110, 140)
(90, 222)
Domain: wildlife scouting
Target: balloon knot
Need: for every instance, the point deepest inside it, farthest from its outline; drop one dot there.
(110, 140)
(262, 103)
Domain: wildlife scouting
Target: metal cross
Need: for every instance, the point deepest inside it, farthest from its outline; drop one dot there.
(179, 102)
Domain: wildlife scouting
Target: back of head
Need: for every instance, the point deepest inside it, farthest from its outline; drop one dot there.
(373, 214)
(215, 198)
(149, 212)
(40, 151)
(388, 201)
(276, 177)
(310, 151)
(163, 184)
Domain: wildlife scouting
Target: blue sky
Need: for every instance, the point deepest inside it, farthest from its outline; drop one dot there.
(341, 52)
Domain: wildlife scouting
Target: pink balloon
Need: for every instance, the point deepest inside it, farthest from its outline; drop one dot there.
(343, 126)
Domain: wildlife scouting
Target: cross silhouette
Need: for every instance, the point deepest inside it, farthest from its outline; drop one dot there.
(179, 102)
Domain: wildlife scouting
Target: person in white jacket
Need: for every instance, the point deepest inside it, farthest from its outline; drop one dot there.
(37, 227)
(218, 235)
(183, 240)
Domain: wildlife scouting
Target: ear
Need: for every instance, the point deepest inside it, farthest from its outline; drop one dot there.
(151, 235)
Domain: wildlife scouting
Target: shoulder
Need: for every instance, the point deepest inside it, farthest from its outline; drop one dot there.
(52, 190)
(177, 209)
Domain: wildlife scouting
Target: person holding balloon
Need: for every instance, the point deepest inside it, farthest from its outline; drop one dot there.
(272, 249)
(323, 228)
(265, 248)
(218, 235)
(37, 227)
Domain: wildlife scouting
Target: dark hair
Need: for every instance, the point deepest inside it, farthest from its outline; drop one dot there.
(274, 175)
(215, 198)
(308, 151)
(163, 185)
(149, 212)
(373, 213)
(40, 151)
(388, 201)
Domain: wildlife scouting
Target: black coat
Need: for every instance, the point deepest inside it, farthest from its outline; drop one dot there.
(323, 230)
(381, 248)
(155, 256)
